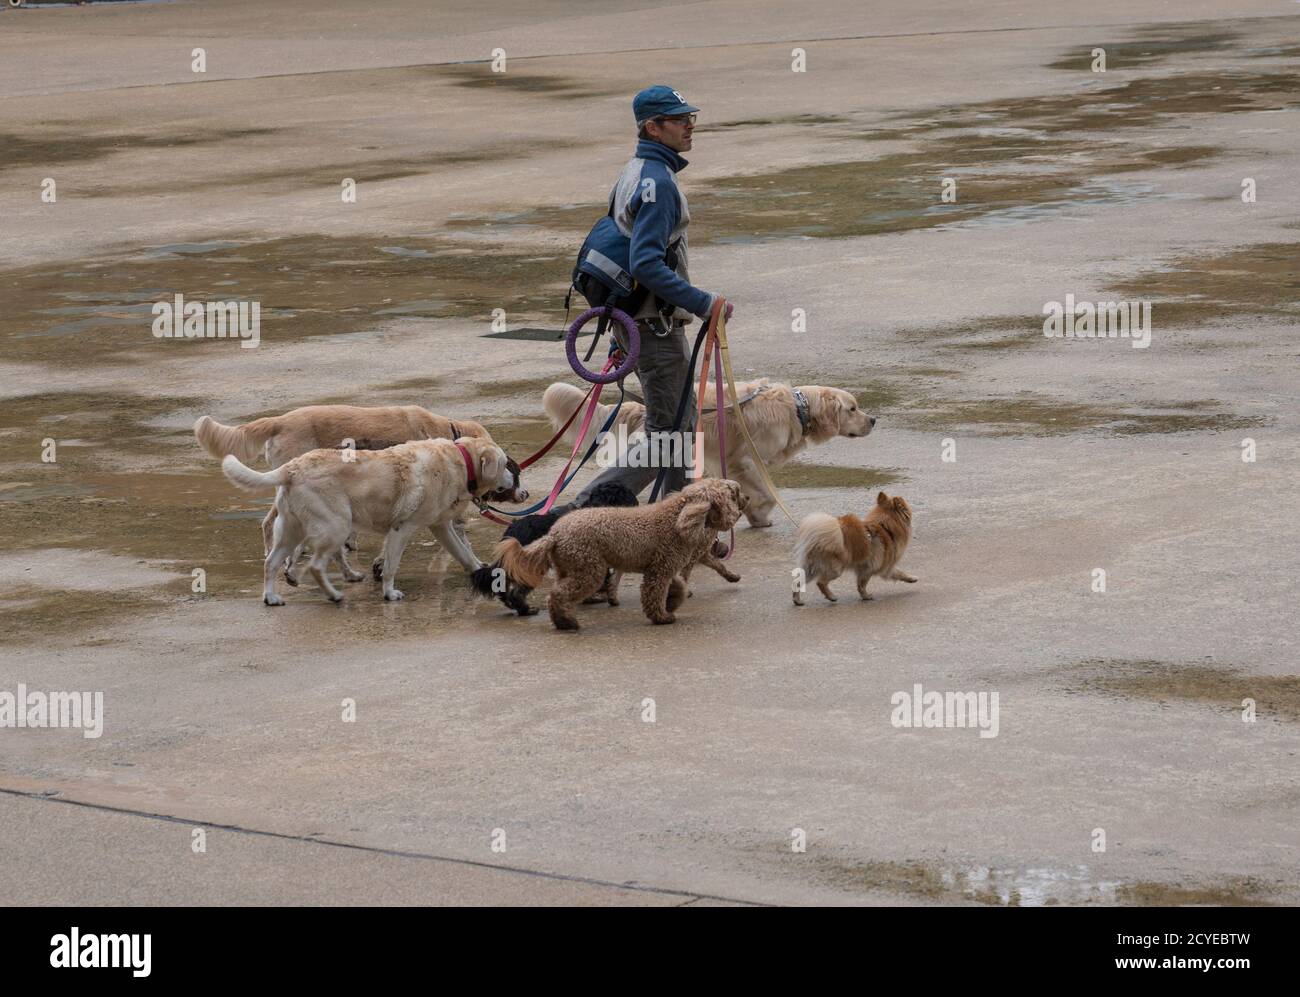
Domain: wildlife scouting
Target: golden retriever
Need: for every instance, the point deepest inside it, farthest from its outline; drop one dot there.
(323, 495)
(874, 545)
(661, 541)
(773, 418)
(280, 438)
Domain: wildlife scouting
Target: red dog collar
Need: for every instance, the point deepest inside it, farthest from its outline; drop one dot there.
(472, 482)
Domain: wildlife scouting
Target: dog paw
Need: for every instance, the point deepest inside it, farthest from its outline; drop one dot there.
(273, 600)
(910, 579)
(394, 595)
(377, 569)
(353, 576)
(290, 579)
(732, 577)
(336, 599)
(666, 618)
(565, 624)
(867, 597)
(758, 524)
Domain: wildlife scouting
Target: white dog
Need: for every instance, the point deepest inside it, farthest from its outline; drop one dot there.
(322, 496)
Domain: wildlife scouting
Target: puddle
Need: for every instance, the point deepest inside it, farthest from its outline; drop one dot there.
(1260, 281)
(802, 475)
(1041, 886)
(1013, 161)
(1236, 891)
(1149, 45)
(1277, 697)
(1028, 415)
(479, 75)
(83, 145)
(1011, 887)
(309, 286)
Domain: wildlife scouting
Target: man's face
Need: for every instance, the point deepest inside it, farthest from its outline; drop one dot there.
(674, 132)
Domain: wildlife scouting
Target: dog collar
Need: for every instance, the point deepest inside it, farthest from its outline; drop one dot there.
(471, 478)
(801, 410)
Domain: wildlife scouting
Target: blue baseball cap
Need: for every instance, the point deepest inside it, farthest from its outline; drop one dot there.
(659, 101)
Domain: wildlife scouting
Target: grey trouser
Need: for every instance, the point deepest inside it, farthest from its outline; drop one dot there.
(662, 370)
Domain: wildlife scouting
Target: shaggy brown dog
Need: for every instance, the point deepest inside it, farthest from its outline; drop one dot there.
(660, 541)
(280, 438)
(872, 546)
(772, 414)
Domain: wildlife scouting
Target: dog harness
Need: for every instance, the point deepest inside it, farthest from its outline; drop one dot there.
(801, 410)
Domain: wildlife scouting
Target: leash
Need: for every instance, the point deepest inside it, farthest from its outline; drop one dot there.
(712, 350)
(565, 478)
(617, 366)
(721, 323)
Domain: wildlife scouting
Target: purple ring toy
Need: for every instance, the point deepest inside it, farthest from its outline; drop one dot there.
(633, 346)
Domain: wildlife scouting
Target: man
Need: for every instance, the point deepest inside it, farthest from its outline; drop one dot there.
(651, 210)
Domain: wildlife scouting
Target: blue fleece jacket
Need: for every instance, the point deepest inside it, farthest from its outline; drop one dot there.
(656, 223)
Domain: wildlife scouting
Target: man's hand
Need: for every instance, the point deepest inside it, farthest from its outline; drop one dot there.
(726, 312)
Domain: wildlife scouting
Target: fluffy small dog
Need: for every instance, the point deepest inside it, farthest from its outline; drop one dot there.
(322, 496)
(528, 529)
(660, 540)
(874, 545)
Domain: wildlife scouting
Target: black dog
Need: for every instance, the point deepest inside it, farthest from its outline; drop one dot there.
(534, 527)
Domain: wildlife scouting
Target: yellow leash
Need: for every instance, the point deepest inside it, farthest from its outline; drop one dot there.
(718, 327)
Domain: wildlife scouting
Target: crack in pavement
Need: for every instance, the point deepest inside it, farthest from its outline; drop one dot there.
(690, 895)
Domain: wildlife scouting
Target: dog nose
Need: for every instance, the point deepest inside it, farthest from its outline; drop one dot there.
(873, 420)
(521, 494)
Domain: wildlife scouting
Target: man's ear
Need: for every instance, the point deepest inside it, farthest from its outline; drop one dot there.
(693, 515)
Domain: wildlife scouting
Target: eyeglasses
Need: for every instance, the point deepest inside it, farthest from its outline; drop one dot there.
(680, 119)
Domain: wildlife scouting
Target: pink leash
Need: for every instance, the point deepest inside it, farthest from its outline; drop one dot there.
(577, 444)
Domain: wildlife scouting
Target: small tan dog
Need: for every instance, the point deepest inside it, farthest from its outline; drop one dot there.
(827, 546)
(783, 420)
(661, 541)
(321, 497)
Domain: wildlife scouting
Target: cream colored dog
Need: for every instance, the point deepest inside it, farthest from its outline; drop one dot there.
(772, 414)
(323, 495)
(281, 438)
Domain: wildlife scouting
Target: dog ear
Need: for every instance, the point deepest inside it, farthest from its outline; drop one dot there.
(494, 460)
(882, 499)
(693, 515)
(723, 512)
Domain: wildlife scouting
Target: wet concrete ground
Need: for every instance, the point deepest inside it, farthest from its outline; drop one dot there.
(820, 191)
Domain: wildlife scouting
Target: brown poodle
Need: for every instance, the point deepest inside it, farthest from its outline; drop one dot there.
(661, 541)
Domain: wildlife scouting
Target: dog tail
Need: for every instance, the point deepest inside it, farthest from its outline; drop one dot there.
(819, 535)
(246, 442)
(525, 565)
(250, 480)
(561, 399)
